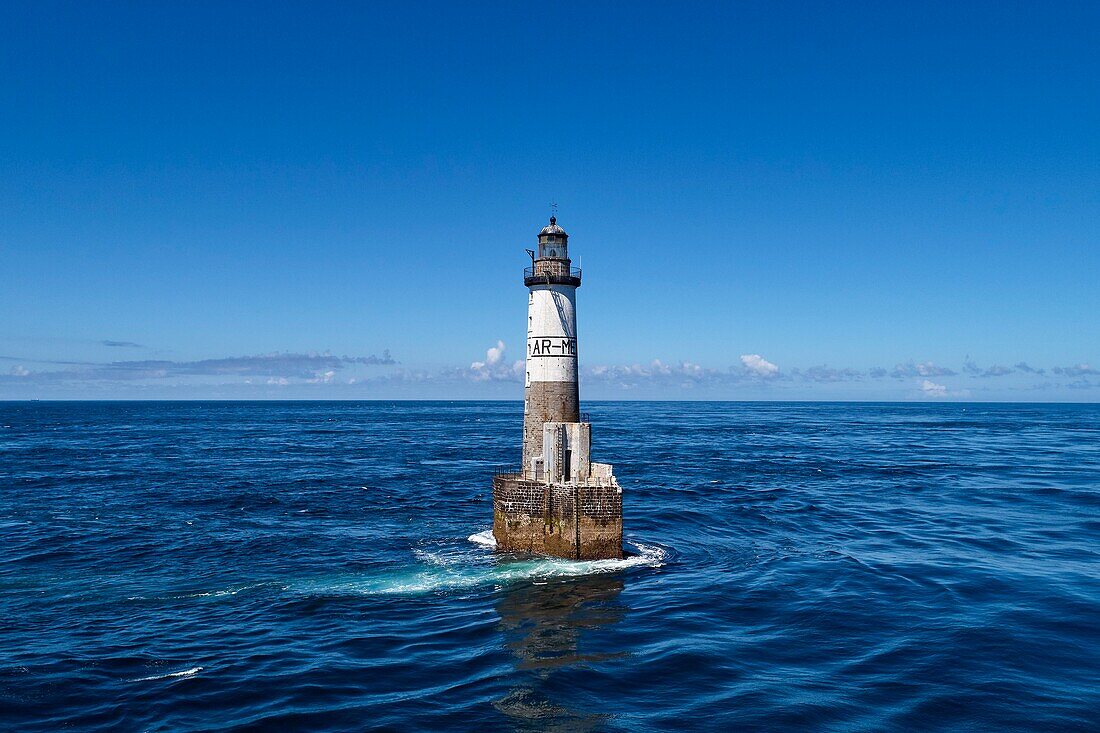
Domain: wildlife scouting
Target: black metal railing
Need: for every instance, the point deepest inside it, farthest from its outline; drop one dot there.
(585, 417)
(551, 272)
(506, 471)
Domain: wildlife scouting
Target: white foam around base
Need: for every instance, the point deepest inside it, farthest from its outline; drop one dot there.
(453, 568)
(646, 555)
(551, 567)
(483, 538)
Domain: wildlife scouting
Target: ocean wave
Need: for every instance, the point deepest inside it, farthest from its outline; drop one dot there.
(230, 591)
(182, 673)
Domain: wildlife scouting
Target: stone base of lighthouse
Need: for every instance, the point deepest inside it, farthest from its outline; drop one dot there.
(578, 522)
(562, 503)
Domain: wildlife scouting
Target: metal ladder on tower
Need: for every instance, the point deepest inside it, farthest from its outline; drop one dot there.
(559, 450)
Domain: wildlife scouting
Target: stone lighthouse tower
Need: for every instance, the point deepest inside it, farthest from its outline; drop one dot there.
(559, 502)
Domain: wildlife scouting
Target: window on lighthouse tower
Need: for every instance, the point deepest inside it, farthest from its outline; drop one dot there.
(554, 247)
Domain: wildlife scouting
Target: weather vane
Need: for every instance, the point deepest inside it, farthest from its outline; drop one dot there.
(553, 209)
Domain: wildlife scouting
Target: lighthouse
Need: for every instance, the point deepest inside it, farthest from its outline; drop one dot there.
(559, 502)
(551, 392)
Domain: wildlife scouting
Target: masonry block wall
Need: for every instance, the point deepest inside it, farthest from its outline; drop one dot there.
(578, 522)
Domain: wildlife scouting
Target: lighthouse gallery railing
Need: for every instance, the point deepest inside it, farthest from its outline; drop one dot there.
(529, 272)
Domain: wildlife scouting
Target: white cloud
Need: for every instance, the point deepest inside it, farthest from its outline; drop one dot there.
(661, 368)
(935, 391)
(627, 376)
(323, 378)
(753, 370)
(920, 369)
(494, 369)
(824, 373)
(493, 356)
(994, 371)
(20, 371)
(1077, 370)
(932, 389)
(759, 366)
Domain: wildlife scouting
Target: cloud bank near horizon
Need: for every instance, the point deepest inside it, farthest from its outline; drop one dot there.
(751, 372)
(311, 366)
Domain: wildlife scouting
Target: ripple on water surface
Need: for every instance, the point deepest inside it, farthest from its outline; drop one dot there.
(210, 566)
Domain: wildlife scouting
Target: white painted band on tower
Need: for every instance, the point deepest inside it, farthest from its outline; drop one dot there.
(552, 334)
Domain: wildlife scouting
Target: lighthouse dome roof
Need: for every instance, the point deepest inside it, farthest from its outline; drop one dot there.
(553, 228)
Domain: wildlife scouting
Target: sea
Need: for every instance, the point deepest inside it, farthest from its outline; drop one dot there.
(327, 566)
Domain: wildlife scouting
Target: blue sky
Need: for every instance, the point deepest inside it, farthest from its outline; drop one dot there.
(772, 201)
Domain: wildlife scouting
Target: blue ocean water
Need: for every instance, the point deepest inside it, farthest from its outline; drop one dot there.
(283, 566)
